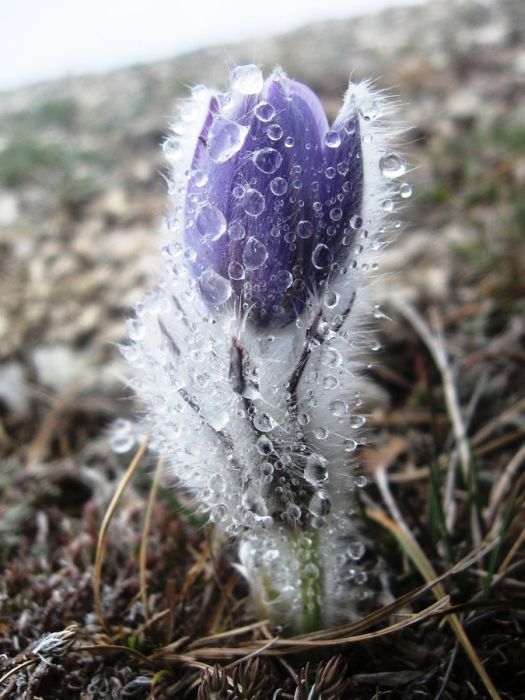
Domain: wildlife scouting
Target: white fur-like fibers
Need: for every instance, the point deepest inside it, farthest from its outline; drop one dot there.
(278, 473)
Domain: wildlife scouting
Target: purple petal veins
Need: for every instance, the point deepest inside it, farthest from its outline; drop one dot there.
(271, 195)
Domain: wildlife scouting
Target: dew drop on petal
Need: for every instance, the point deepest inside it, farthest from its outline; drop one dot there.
(356, 222)
(357, 421)
(320, 503)
(210, 222)
(332, 139)
(225, 139)
(255, 254)
(349, 445)
(253, 202)
(336, 214)
(236, 231)
(264, 111)
(330, 382)
(320, 433)
(278, 186)
(322, 256)
(247, 80)
(263, 422)
(214, 288)
(289, 141)
(316, 471)
(267, 160)
(235, 271)
(199, 178)
(338, 407)
(274, 132)
(331, 299)
(405, 190)
(264, 445)
(392, 165)
(304, 229)
(283, 280)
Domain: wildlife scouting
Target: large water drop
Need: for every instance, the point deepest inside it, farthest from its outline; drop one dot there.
(255, 254)
(267, 160)
(247, 80)
(215, 288)
(392, 165)
(225, 139)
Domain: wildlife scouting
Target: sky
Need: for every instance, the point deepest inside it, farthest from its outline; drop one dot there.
(47, 39)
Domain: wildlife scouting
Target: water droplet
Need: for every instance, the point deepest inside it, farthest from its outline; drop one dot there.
(238, 191)
(274, 132)
(235, 271)
(356, 550)
(388, 205)
(316, 471)
(332, 358)
(392, 165)
(255, 254)
(405, 190)
(283, 280)
(338, 407)
(214, 288)
(293, 511)
(331, 299)
(330, 382)
(320, 433)
(236, 231)
(357, 421)
(253, 202)
(332, 139)
(199, 178)
(264, 111)
(322, 256)
(264, 445)
(320, 503)
(225, 139)
(330, 172)
(248, 80)
(289, 141)
(278, 186)
(356, 222)
(267, 160)
(349, 445)
(210, 222)
(336, 213)
(304, 229)
(263, 422)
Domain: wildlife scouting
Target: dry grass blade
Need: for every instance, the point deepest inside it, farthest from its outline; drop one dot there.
(145, 536)
(18, 668)
(503, 484)
(436, 347)
(277, 646)
(101, 542)
(418, 557)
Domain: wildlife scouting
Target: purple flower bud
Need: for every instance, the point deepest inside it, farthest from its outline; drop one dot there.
(247, 354)
(270, 196)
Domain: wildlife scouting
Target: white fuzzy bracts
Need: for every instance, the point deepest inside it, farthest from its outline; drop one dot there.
(247, 356)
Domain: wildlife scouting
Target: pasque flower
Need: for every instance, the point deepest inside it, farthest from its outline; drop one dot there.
(247, 355)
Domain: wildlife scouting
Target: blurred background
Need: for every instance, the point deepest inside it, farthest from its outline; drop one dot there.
(87, 92)
(81, 190)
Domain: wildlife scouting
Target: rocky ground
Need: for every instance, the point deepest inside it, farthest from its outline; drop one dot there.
(81, 202)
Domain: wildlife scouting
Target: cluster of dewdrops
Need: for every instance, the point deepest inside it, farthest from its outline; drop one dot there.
(225, 139)
(225, 494)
